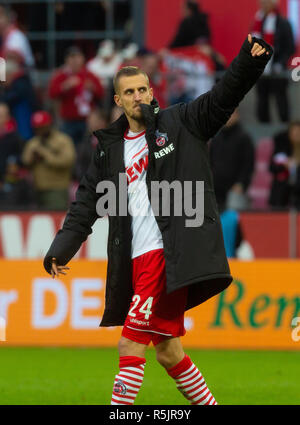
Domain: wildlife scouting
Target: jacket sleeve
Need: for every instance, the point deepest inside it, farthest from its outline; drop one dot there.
(80, 218)
(208, 113)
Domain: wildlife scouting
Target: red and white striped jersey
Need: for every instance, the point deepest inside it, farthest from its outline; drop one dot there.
(145, 231)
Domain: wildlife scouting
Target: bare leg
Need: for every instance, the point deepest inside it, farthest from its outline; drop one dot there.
(169, 352)
(131, 348)
(180, 367)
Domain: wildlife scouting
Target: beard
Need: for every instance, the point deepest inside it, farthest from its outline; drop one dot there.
(137, 116)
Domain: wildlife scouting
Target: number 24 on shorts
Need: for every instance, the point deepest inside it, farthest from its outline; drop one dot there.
(145, 309)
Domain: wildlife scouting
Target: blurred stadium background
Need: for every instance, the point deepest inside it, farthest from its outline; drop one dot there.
(246, 340)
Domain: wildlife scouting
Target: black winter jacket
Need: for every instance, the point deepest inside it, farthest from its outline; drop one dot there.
(194, 256)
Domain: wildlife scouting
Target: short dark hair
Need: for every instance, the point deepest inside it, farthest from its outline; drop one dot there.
(128, 71)
(73, 50)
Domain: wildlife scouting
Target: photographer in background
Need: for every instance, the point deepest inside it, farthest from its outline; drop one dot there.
(50, 155)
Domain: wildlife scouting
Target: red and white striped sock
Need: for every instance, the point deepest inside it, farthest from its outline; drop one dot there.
(129, 380)
(191, 383)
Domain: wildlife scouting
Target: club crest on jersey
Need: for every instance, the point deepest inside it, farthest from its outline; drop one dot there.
(161, 138)
(120, 387)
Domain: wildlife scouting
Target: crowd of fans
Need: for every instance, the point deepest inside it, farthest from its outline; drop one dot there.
(45, 146)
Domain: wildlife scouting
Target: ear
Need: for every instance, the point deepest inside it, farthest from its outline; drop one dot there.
(117, 100)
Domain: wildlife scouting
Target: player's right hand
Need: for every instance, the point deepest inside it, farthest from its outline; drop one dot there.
(257, 49)
(56, 270)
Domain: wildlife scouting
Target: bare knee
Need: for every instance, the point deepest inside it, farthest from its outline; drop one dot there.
(165, 359)
(169, 353)
(127, 347)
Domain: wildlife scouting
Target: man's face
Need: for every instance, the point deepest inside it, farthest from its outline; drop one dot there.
(133, 91)
(42, 131)
(75, 62)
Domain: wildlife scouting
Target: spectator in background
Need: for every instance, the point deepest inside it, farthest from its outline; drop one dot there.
(96, 120)
(10, 141)
(129, 55)
(106, 63)
(277, 31)
(193, 27)
(232, 159)
(50, 156)
(77, 90)
(17, 91)
(285, 167)
(12, 39)
(151, 63)
(218, 59)
(14, 189)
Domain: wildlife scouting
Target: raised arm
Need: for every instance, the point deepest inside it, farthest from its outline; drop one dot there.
(80, 218)
(209, 112)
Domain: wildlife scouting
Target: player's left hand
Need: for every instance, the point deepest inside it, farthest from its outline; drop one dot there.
(56, 269)
(257, 49)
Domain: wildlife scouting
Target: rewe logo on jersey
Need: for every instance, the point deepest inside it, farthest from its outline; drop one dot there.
(136, 169)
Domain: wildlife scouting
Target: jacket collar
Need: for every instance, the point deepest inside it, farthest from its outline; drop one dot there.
(115, 132)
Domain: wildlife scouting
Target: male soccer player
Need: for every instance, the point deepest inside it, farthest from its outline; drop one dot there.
(158, 267)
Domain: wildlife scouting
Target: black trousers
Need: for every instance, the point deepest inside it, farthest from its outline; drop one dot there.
(267, 86)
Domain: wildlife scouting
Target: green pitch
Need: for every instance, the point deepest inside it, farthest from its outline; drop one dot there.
(85, 376)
